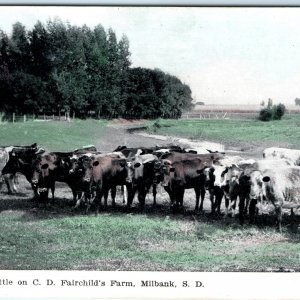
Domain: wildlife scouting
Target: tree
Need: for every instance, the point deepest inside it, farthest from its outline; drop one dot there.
(278, 111)
(265, 114)
(58, 66)
(273, 112)
(297, 101)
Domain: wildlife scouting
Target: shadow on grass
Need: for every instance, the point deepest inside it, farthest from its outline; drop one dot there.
(63, 207)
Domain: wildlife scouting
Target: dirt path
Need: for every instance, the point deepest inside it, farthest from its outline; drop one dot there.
(116, 134)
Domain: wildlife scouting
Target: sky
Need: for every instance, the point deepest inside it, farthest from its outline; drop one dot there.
(226, 55)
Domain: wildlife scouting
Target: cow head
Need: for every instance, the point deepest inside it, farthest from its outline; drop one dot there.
(86, 165)
(256, 185)
(76, 168)
(42, 166)
(168, 172)
(216, 176)
(134, 168)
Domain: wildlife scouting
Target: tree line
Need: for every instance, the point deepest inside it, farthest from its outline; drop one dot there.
(57, 67)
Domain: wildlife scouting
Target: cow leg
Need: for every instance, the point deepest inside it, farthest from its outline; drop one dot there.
(202, 194)
(8, 182)
(178, 194)
(44, 196)
(78, 200)
(233, 205)
(278, 211)
(35, 192)
(226, 205)
(89, 200)
(131, 194)
(15, 181)
(241, 210)
(247, 206)
(124, 193)
(113, 193)
(141, 198)
(197, 192)
(52, 187)
(99, 195)
(170, 193)
(154, 192)
(74, 196)
(252, 209)
(219, 197)
(105, 196)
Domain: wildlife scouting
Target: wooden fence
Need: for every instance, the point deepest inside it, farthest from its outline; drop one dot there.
(218, 114)
(14, 118)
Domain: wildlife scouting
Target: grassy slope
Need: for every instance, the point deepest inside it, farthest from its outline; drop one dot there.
(54, 136)
(235, 131)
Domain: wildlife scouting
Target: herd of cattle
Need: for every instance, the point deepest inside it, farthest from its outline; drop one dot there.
(91, 175)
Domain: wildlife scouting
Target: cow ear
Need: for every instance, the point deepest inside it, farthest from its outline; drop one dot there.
(45, 166)
(136, 165)
(122, 164)
(212, 169)
(266, 179)
(172, 169)
(96, 163)
(200, 171)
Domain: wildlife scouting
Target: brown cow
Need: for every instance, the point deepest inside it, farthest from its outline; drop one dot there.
(105, 172)
(185, 174)
(177, 164)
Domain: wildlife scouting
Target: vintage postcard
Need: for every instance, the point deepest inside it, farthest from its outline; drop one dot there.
(149, 152)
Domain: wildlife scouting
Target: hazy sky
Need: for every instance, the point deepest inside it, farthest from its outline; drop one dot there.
(226, 55)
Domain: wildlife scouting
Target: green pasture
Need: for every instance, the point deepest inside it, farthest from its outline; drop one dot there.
(234, 132)
(54, 136)
(36, 236)
(121, 241)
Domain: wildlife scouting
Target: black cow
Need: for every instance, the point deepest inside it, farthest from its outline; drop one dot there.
(20, 161)
(50, 167)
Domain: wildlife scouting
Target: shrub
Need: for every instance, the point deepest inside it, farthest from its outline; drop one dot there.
(272, 112)
(265, 114)
(278, 111)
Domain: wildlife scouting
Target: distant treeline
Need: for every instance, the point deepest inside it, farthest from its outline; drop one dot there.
(58, 67)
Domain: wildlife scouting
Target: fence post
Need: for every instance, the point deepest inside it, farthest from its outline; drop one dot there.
(53, 117)
(14, 118)
(24, 117)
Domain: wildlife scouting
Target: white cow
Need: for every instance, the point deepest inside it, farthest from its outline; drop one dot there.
(293, 155)
(222, 180)
(280, 186)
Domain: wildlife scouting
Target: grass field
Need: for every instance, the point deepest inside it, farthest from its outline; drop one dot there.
(35, 236)
(234, 132)
(54, 136)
